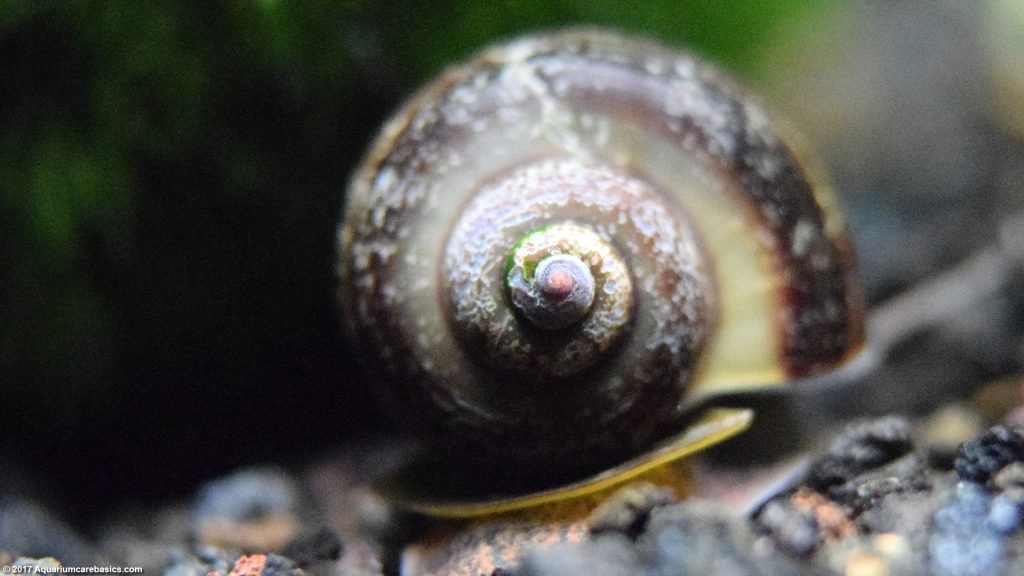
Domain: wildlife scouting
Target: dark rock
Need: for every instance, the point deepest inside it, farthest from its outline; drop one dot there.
(904, 475)
(861, 447)
(792, 530)
(280, 566)
(980, 459)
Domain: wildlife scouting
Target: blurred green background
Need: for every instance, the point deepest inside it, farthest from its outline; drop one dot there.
(171, 174)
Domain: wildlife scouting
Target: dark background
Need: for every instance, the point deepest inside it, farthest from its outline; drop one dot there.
(171, 174)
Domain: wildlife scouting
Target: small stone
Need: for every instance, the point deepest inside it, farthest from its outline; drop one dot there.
(264, 565)
(904, 475)
(833, 521)
(253, 510)
(906, 514)
(208, 561)
(980, 459)
(1004, 516)
(963, 543)
(276, 565)
(497, 543)
(627, 510)
(251, 565)
(861, 447)
(791, 528)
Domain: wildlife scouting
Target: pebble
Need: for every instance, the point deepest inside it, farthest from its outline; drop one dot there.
(249, 565)
(204, 560)
(790, 528)
(628, 510)
(1004, 516)
(979, 460)
(263, 565)
(963, 543)
(255, 510)
(904, 475)
(833, 522)
(861, 447)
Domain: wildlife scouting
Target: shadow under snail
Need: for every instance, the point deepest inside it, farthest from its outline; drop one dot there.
(560, 252)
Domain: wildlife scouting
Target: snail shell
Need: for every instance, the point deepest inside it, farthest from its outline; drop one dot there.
(556, 248)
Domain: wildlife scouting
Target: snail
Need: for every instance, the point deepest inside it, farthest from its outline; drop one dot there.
(557, 254)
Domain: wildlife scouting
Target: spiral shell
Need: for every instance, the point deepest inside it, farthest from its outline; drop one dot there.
(557, 247)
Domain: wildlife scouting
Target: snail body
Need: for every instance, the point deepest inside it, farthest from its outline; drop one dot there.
(558, 249)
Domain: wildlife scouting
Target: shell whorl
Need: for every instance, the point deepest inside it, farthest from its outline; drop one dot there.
(552, 285)
(621, 229)
(682, 250)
